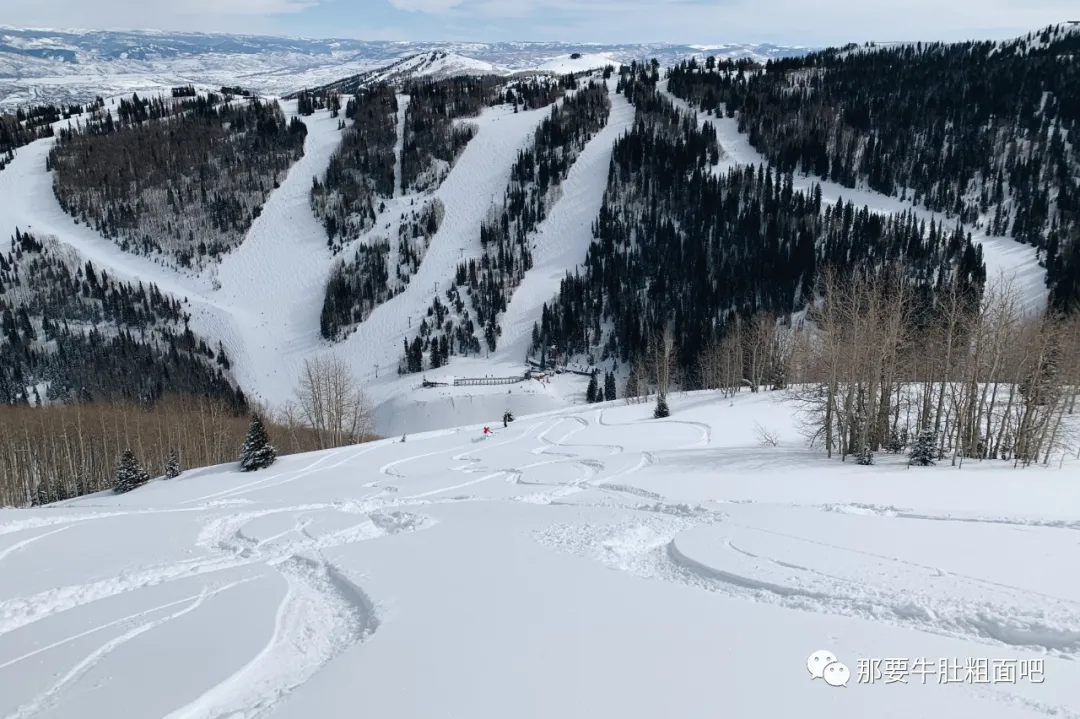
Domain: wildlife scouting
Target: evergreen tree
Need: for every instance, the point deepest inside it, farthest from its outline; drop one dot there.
(609, 386)
(661, 410)
(172, 465)
(257, 451)
(591, 392)
(864, 456)
(925, 450)
(130, 474)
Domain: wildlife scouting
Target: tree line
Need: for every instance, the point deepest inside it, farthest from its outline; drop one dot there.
(60, 451)
(874, 369)
(188, 187)
(980, 130)
(27, 124)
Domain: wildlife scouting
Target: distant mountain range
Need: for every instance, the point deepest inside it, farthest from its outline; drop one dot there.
(41, 65)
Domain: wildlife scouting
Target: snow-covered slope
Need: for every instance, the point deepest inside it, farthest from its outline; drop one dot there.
(76, 66)
(591, 563)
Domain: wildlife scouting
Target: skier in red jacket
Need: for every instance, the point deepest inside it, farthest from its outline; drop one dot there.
(487, 430)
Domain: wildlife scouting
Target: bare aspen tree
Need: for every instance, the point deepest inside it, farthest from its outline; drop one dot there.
(333, 403)
(662, 359)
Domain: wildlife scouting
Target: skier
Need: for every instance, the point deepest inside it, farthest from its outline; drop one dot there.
(487, 431)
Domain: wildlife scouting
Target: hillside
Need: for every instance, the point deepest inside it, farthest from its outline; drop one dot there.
(980, 131)
(266, 301)
(579, 563)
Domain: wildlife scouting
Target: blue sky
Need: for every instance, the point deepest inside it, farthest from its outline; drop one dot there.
(803, 22)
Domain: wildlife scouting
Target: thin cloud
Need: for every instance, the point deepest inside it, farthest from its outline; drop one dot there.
(426, 6)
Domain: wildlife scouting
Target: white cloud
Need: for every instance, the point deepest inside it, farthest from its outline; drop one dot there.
(426, 6)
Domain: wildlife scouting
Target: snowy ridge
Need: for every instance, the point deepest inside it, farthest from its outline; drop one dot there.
(42, 66)
(433, 576)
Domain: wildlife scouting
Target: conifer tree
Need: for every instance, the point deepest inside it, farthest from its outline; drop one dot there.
(591, 392)
(609, 386)
(661, 410)
(257, 451)
(129, 474)
(924, 452)
(864, 456)
(172, 465)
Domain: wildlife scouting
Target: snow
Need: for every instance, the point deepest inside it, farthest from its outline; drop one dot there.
(590, 561)
(585, 61)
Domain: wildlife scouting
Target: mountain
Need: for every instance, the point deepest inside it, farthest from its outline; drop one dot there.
(587, 562)
(68, 66)
(684, 378)
(428, 231)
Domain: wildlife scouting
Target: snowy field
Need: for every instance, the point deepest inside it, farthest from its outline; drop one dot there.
(588, 562)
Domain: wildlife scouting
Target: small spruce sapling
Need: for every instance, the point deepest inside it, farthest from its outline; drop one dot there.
(257, 451)
(172, 465)
(924, 452)
(661, 410)
(129, 474)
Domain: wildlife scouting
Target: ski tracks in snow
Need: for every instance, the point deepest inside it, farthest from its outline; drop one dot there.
(880, 588)
(322, 614)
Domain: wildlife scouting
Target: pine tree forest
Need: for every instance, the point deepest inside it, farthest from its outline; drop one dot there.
(71, 333)
(685, 250)
(432, 141)
(31, 123)
(361, 170)
(179, 178)
(980, 130)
